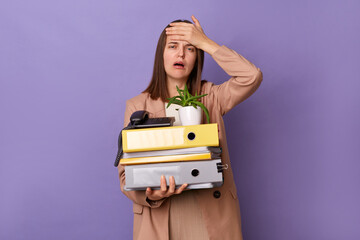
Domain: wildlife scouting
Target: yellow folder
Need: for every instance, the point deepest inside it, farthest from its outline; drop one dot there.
(163, 138)
(163, 159)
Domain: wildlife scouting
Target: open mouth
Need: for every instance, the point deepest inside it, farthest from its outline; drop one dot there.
(179, 65)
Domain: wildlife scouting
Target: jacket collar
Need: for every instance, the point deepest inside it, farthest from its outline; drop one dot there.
(155, 107)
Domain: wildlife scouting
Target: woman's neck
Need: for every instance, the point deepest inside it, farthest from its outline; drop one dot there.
(171, 86)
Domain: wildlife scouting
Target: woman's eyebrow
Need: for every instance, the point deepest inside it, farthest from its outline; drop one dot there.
(187, 45)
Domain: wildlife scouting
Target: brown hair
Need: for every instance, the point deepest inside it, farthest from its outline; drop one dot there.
(157, 87)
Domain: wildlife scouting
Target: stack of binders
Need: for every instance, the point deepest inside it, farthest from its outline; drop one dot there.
(189, 153)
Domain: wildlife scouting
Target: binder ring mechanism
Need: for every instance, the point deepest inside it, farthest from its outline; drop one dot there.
(221, 167)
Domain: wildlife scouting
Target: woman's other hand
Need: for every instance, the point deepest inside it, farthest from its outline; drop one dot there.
(193, 34)
(164, 191)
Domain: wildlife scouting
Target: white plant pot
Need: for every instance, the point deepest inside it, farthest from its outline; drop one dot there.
(190, 115)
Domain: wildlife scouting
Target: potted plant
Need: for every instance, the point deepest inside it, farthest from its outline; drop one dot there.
(190, 111)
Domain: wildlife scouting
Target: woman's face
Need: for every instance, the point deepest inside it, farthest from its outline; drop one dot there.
(179, 59)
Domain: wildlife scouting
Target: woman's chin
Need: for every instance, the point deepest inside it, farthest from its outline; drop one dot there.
(178, 77)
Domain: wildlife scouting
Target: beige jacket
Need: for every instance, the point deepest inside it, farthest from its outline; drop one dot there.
(219, 206)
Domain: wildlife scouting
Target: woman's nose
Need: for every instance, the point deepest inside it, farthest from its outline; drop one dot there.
(181, 52)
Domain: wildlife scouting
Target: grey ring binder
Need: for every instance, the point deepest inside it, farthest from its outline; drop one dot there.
(139, 177)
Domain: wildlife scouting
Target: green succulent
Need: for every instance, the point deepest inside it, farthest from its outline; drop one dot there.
(186, 99)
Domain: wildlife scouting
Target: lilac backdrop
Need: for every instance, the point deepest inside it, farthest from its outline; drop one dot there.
(67, 67)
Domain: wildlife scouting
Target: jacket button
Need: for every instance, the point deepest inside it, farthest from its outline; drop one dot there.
(217, 194)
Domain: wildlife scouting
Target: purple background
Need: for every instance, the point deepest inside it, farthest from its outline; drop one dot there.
(67, 67)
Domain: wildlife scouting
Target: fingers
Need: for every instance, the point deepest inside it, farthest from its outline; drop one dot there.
(157, 194)
(163, 186)
(182, 188)
(184, 24)
(189, 27)
(179, 33)
(171, 185)
(192, 33)
(164, 191)
(196, 22)
(176, 32)
(177, 29)
(178, 38)
(148, 192)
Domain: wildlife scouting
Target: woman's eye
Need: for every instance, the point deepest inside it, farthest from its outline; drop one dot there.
(191, 49)
(172, 46)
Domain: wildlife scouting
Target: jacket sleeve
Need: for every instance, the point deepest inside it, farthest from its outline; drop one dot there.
(245, 79)
(137, 197)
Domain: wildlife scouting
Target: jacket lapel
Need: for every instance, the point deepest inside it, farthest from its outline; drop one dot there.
(156, 108)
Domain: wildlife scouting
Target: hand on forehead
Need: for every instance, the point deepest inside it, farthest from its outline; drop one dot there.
(168, 40)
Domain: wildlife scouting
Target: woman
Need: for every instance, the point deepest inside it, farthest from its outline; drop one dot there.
(171, 213)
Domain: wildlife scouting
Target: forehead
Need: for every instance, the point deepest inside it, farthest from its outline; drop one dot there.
(177, 41)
